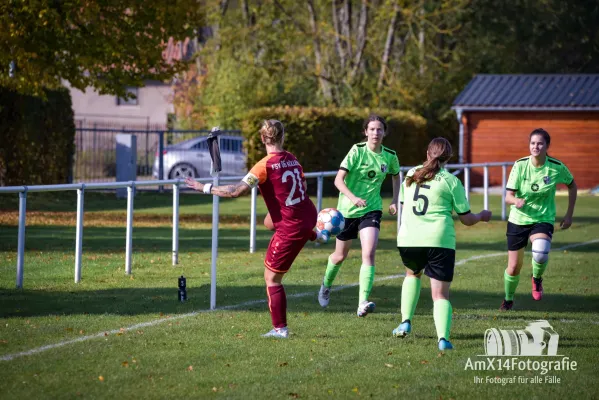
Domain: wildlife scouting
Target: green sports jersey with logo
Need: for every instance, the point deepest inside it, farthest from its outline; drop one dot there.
(426, 219)
(366, 171)
(537, 187)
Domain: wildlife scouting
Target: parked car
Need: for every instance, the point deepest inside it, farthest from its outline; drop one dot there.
(191, 158)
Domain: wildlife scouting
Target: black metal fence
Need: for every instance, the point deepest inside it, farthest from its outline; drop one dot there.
(160, 153)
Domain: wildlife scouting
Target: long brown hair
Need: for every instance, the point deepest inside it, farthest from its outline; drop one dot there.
(439, 152)
(272, 130)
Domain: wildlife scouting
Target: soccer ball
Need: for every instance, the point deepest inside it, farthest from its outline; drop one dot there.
(330, 222)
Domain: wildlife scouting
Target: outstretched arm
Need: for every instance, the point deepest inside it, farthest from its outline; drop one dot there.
(235, 190)
(470, 219)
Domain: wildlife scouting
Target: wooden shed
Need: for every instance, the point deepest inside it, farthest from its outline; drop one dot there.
(497, 113)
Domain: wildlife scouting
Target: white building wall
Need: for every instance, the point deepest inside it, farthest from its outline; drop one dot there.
(154, 103)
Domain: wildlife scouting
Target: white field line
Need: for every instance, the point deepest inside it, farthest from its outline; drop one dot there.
(36, 350)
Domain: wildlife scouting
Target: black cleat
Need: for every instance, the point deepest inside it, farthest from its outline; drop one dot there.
(506, 305)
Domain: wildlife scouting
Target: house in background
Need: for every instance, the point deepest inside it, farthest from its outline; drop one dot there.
(496, 114)
(149, 110)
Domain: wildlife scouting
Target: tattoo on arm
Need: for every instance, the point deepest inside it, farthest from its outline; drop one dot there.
(236, 190)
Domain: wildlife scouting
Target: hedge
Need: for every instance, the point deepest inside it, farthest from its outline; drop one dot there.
(37, 138)
(321, 137)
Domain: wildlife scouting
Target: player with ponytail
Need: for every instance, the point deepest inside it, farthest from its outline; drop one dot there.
(291, 213)
(426, 238)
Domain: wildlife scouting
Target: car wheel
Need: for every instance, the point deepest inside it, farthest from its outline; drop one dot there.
(182, 171)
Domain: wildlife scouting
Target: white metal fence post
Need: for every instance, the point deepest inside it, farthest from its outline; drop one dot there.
(79, 233)
(215, 210)
(467, 182)
(21, 238)
(503, 191)
(176, 223)
(253, 220)
(129, 239)
(486, 186)
(319, 183)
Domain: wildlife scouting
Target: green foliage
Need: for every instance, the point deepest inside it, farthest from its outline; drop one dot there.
(37, 138)
(107, 44)
(532, 36)
(321, 137)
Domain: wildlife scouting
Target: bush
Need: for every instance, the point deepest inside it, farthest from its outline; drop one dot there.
(36, 138)
(321, 137)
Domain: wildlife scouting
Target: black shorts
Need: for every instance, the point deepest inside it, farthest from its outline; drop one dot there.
(354, 225)
(437, 262)
(518, 235)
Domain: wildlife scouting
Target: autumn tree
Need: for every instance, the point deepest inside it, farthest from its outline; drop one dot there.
(106, 44)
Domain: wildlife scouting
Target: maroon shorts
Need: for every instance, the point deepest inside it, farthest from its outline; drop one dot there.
(282, 250)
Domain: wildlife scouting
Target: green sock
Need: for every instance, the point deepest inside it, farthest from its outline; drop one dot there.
(410, 293)
(331, 273)
(510, 283)
(442, 314)
(538, 269)
(366, 281)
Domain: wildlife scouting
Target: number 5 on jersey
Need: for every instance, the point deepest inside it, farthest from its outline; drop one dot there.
(418, 196)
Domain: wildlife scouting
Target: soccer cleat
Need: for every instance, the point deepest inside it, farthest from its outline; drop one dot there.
(324, 295)
(278, 333)
(403, 329)
(537, 288)
(506, 305)
(445, 344)
(365, 308)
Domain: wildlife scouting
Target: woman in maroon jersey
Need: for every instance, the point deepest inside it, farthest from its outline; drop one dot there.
(281, 180)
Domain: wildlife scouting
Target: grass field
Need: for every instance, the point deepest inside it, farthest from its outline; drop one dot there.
(122, 336)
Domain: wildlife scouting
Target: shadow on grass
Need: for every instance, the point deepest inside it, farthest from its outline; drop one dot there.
(159, 239)
(146, 239)
(135, 301)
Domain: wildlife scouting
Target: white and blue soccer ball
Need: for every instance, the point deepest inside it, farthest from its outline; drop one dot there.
(330, 222)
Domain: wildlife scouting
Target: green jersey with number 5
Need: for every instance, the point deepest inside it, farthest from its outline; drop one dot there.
(426, 219)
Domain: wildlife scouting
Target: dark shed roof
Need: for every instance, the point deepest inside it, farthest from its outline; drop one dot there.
(530, 92)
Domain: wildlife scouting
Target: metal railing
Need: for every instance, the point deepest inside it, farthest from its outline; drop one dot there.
(131, 185)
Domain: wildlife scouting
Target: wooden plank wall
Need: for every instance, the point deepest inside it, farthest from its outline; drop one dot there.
(503, 136)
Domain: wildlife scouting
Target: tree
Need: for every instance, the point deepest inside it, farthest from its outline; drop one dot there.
(404, 54)
(107, 44)
(320, 52)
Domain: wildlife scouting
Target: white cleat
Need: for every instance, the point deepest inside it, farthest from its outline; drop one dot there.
(278, 333)
(324, 294)
(365, 308)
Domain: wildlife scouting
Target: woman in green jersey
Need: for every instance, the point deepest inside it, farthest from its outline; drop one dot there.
(359, 181)
(426, 239)
(531, 193)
